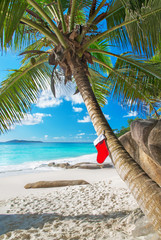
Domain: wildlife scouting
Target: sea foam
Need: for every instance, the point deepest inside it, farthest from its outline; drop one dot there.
(39, 166)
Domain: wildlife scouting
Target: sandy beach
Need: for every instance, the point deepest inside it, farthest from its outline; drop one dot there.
(104, 209)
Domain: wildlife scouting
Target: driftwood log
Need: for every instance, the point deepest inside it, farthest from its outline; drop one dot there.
(49, 184)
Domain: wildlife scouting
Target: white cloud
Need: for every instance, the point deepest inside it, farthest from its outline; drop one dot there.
(76, 109)
(80, 134)
(33, 119)
(78, 137)
(46, 136)
(34, 137)
(107, 116)
(59, 138)
(131, 114)
(46, 99)
(76, 98)
(85, 119)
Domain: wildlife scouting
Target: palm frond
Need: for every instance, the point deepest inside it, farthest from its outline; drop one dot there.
(72, 15)
(36, 52)
(131, 85)
(100, 46)
(158, 111)
(80, 17)
(43, 30)
(93, 8)
(115, 16)
(21, 89)
(11, 12)
(142, 64)
(128, 88)
(40, 45)
(82, 4)
(62, 16)
(97, 10)
(89, 23)
(100, 86)
(145, 32)
(153, 14)
(146, 74)
(24, 35)
(53, 13)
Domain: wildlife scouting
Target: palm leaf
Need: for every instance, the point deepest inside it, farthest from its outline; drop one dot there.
(72, 15)
(127, 88)
(100, 86)
(147, 29)
(128, 91)
(35, 52)
(115, 16)
(80, 17)
(142, 64)
(40, 45)
(11, 12)
(24, 35)
(153, 13)
(21, 89)
(62, 16)
(100, 46)
(131, 85)
(145, 73)
(82, 4)
(93, 8)
(158, 115)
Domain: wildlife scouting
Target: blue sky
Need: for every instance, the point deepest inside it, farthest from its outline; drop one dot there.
(62, 119)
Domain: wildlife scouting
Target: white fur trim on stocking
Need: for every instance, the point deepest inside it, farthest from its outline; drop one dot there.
(99, 139)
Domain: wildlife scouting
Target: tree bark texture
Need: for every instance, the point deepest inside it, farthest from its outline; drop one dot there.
(146, 192)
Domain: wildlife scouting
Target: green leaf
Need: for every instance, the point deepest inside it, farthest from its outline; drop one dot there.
(129, 88)
(11, 12)
(42, 44)
(21, 89)
(137, 84)
(152, 14)
(147, 29)
(116, 16)
(100, 46)
(100, 86)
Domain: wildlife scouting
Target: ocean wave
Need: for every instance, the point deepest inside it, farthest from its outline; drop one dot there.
(40, 166)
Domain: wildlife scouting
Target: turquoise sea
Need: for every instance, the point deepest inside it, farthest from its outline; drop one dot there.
(27, 157)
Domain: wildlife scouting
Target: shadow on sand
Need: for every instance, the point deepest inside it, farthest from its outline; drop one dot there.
(11, 222)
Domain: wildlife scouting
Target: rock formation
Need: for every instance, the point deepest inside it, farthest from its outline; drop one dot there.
(82, 165)
(143, 143)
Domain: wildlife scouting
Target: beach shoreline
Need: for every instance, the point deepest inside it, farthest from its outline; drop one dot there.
(101, 210)
(12, 186)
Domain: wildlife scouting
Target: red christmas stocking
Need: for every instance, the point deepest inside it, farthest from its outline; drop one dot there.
(101, 147)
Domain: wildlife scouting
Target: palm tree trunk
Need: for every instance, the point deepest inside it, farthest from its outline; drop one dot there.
(146, 192)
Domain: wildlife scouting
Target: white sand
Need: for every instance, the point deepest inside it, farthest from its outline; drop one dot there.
(102, 210)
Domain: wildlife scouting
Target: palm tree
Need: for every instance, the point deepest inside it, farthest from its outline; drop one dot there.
(69, 36)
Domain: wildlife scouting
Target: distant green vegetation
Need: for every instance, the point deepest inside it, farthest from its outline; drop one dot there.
(123, 129)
